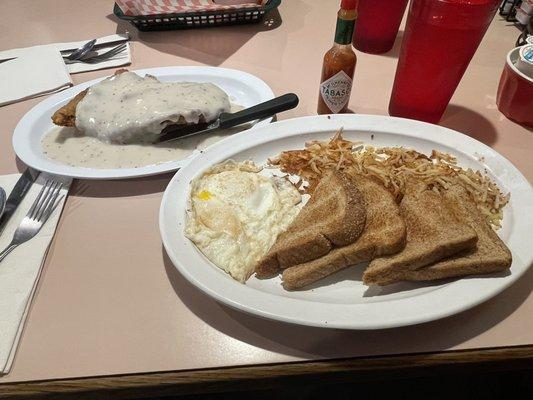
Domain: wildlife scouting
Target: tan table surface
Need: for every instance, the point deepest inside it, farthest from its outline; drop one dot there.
(110, 302)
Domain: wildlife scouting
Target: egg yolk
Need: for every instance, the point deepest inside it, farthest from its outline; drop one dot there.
(205, 195)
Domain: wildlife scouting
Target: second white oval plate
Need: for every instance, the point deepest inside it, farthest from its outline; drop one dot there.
(341, 300)
(243, 89)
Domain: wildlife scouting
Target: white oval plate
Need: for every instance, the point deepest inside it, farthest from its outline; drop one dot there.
(243, 88)
(341, 300)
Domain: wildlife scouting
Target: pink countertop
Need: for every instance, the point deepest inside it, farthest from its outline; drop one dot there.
(110, 301)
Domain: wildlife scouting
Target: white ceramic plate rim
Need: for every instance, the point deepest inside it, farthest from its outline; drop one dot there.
(25, 126)
(450, 299)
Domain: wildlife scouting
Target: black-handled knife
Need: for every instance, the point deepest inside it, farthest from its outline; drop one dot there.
(262, 110)
(228, 120)
(15, 197)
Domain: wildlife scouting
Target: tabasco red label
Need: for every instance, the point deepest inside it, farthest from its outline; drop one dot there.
(336, 91)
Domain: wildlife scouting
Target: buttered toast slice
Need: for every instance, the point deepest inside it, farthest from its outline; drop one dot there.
(384, 233)
(489, 255)
(434, 232)
(334, 216)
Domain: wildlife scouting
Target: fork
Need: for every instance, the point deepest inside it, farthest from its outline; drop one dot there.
(40, 211)
(100, 57)
(81, 51)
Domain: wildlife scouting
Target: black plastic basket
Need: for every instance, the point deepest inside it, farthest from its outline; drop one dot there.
(204, 19)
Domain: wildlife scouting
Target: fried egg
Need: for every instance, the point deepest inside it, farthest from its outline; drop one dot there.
(236, 214)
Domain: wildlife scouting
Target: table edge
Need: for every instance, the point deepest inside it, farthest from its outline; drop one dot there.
(217, 380)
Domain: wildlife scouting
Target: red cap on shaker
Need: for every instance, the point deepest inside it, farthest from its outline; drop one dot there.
(349, 4)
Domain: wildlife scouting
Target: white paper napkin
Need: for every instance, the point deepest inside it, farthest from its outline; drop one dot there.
(20, 270)
(121, 59)
(39, 70)
(35, 73)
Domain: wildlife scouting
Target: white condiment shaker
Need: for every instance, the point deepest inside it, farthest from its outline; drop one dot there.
(524, 63)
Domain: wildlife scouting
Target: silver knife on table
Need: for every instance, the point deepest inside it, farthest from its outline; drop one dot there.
(17, 194)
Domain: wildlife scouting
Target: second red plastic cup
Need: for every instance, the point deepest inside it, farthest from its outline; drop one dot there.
(377, 24)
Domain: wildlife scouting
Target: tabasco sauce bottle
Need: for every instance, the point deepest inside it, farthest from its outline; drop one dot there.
(339, 64)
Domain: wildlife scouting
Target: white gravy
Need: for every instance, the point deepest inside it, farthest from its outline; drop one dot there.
(127, 108)
(71, 147)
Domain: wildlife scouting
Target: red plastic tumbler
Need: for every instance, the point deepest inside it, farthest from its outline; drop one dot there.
(377, 24)
(440, 39)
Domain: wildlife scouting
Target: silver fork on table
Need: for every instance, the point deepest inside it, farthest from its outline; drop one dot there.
(80, 52)
(101, 57)
(41, 209)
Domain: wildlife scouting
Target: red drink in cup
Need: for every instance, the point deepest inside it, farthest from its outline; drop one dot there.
(440, 38)
(377, 24)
